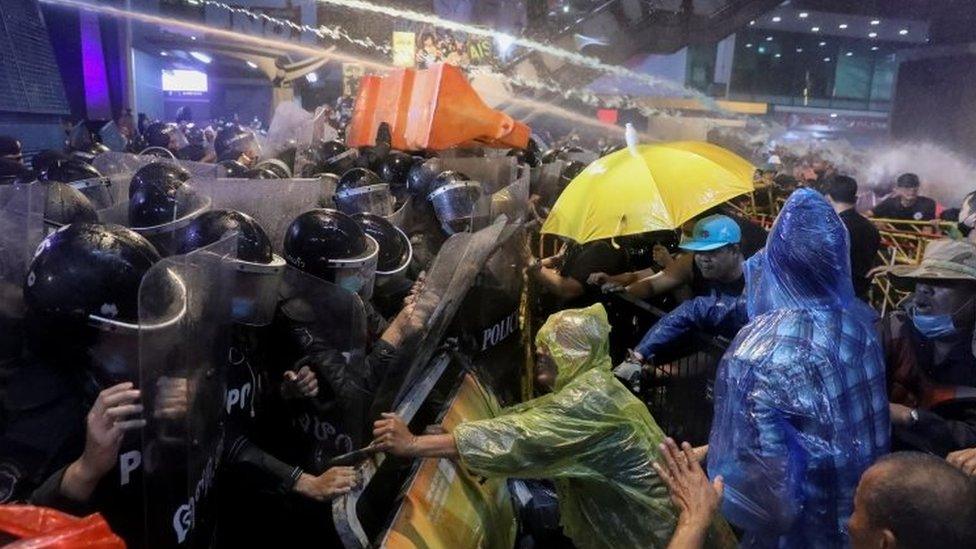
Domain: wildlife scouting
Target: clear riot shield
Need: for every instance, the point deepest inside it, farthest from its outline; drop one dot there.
(546, 181)
(492, 173)
(115, 163)
(274, 203)
(98, 190)
(489, 330)
(333, 319)
(21, 231)
(449, 279)
(513, 200)
(185, 321)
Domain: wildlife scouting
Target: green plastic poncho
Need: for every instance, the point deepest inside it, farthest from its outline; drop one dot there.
(591, 436)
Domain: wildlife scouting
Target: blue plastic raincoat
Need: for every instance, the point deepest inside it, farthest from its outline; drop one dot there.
(800, 403)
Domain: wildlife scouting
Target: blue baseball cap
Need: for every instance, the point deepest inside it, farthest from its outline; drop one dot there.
(711, 233)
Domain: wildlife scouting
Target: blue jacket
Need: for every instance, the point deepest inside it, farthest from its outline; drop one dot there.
(716, 314)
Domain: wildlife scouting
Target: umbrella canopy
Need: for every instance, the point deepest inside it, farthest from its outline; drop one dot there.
(647, 188)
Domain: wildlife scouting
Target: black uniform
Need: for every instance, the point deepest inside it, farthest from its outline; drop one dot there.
(923, 209)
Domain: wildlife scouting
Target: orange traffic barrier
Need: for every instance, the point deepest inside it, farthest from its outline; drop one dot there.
(443, 111)
(362, 128)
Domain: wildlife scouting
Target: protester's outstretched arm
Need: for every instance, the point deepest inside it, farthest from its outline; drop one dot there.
(668, 280)
(721, 315)
(392, 435)
(692, 493)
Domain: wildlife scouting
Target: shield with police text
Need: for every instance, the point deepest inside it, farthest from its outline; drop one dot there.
(185, 318)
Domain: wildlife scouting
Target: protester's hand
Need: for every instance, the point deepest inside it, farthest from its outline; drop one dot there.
(392, 435)
(692, 493)
(329, 485)
(662, 256)
(300, 384)
(612, 287)
(115, 411)
(598, 279)
(900, 415)
(964, 460)
(172, 398)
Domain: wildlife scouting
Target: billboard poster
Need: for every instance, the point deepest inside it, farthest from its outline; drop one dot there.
(435, 45)
(404, 49)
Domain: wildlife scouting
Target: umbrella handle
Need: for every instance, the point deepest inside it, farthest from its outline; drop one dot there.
(616, 233)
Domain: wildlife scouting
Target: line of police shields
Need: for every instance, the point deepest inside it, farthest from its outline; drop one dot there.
(187, 305)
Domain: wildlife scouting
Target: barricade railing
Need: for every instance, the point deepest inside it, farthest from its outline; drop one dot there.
(676, 386)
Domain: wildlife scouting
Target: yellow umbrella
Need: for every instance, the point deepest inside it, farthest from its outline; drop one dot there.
(657, 187)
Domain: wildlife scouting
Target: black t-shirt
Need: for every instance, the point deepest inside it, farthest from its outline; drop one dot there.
(701, 286)
(865, 241)
(593, 257)
(923, 209)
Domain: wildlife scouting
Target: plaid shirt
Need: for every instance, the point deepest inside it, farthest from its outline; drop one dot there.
(800, 412)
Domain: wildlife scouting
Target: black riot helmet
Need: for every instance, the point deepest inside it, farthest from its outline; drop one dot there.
(361, 190)
(65, 205)
(335, 157)
(422, 175)
(612, 148)
(234, 142)
(455, 198)
(43, 160)
(276, 167)
(572, 169)
(166, 135)
(530, 155)
(82, 299)
(257, 269)
(395, 170)
(161, 202)
(234, 169)
(395, 248)
(332, 246)
(287, 157)
(89, 269)
(68, 170)
(261, 173)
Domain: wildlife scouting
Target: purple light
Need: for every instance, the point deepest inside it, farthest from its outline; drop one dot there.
(93, 67)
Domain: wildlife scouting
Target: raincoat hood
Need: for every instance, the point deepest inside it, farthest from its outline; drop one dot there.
(806, 262)
(577, 340)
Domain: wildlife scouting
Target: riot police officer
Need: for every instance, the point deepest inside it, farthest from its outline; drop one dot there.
(361, 190)
(253, 485)
(70, 401)
(162, 202)
(319, 325)
(235, 142)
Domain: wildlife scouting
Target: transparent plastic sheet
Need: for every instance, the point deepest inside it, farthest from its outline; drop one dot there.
(808, 361)
(492, 173)
(43, 528)
(592, 436)
(21, 231)
(274, 203)
(116, 163)
(185, 320)
(513, 200)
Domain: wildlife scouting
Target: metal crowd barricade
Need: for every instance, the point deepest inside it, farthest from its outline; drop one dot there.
(677, 387)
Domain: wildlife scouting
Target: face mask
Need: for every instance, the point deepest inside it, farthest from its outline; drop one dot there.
(934, 326)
